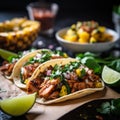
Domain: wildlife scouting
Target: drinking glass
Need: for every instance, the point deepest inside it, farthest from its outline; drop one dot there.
(45, 13)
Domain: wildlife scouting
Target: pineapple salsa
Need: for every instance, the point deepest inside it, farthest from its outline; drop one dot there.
(87, 32)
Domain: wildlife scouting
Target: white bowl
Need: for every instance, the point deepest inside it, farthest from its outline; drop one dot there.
(91, 47)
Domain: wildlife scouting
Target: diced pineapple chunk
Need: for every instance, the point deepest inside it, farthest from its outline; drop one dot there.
(63, 91)
(70, 32)
(84, 36)
(71, 38)
(98, 84)
(93, 40)
(78, 71)
(102, 29)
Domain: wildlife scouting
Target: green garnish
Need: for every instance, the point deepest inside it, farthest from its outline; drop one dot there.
(112, 107)
(71, 66)
(67, 86)
(58, 52)
(21, 77)
(11, 56)
(31, 61)
(46, 55)
(115, 64)
(59, 70)
(56, 72)
(83, 72)
(95, 62)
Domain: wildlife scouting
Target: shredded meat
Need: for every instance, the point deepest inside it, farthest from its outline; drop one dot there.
(53, 95)
(29, 69)
(7, 68)
(76, 85)
(34, 85)
(86, 82)
(48, 88)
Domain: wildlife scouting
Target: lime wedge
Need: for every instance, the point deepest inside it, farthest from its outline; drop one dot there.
(110, 76)
(5, 54)
(18, 105)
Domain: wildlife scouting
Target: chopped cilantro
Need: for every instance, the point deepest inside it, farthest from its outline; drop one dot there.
(110, 108)
(95, 62)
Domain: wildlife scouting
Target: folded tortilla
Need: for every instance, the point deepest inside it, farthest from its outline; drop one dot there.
(24, 60)
(21, 62)
(74, 95)
(22, 55)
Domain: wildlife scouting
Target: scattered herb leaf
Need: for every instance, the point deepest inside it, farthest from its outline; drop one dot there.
(110, 108)
(95, 62)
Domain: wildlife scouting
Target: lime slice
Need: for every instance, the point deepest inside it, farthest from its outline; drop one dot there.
(18, 105)
(5, 54)
(110, 76)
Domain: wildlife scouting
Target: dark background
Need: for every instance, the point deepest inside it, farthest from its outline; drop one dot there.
(98, 10)
(66, 5)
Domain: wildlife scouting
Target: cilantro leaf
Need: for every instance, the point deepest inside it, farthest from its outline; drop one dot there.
(105, 108)
(110, 108)
(115, 64)
(115, 106)
(96, 62)
(92, 64)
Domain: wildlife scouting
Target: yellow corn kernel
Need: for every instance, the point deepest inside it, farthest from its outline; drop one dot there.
(78, 72)
(63, 91)
(102, 29)
(93, 40)
(98, 84)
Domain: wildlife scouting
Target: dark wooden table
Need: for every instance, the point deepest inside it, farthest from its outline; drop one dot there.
(51, 42)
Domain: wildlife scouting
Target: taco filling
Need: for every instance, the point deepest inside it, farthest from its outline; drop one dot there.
(60, 80)
(7, 66)
(29, 67)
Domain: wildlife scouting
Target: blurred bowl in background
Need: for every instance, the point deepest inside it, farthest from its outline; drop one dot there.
(91, 47)
(18, 34)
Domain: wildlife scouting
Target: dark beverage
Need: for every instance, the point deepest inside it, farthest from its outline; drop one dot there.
(45, 13)
(46, 18)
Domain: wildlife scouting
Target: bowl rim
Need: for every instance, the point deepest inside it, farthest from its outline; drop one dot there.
(61, 31)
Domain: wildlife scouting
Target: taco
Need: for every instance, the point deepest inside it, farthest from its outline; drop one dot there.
(8, 65)
(28, 65)
(63, 79)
